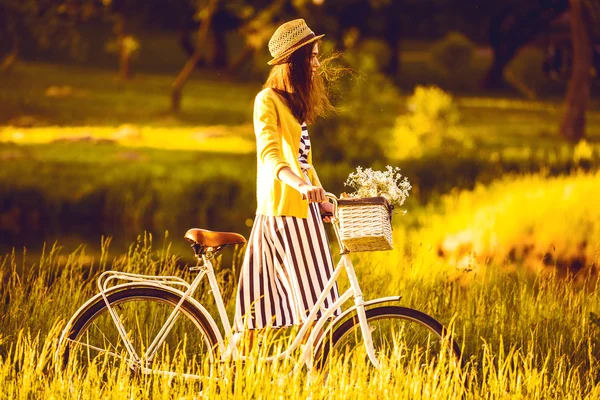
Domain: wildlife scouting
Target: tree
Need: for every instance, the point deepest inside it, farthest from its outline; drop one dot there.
(223, 19)
(49, 23)
(206, 13)
(121, 14)
(578, 93)
(57, 23)
(384, 20)
(512, 26)
(214, 19)
(10, 31)
(257, 31)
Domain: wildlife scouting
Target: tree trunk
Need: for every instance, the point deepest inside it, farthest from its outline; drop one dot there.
(393, 66)
(11, 27)
(189, 66)
(124, 63)
(578, 93)
(181, 79)
(219, 45)
(244, 55)
(124, 54)
(494, 78)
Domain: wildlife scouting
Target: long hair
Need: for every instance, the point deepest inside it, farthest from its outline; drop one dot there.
(305, 94)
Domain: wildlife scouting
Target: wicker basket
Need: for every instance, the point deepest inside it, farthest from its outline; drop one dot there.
(365, 224)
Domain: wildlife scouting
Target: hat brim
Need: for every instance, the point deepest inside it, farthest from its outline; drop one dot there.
(292, 49)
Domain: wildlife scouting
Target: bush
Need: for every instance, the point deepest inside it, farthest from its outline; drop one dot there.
(220, 203)
(24, 210)
(451, 58)
(61, 189)
(372, 55)
(431, 122)
(524, 72)
(363, 128)
(532, 220)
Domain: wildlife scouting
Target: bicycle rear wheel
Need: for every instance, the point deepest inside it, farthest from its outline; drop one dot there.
(94, 338)
(401, 336)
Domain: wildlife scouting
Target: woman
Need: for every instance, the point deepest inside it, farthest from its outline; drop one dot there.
(287, 262)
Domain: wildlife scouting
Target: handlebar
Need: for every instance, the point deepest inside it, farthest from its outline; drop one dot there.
(331, 196)
(335, 221)
(334, 201)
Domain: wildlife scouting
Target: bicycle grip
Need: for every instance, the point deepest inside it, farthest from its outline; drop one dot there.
(326, 214)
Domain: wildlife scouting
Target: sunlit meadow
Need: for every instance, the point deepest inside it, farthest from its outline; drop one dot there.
(507, 260)
(524, 334)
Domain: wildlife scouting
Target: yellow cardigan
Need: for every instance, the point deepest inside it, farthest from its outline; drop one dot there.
(277, 143)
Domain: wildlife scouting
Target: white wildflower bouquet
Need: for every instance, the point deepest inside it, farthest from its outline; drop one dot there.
(389, 184)
(365, 216)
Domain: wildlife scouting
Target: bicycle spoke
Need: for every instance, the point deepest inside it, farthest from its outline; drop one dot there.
(399, 335)
(187, 343)
(100, 350)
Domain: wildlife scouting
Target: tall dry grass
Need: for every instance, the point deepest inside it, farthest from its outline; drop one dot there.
(524, 335)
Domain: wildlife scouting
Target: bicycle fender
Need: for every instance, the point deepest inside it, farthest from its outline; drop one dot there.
(134, 285)
(351, 310)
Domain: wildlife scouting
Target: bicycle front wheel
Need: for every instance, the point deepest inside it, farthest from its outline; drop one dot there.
(94, 338)
(401, 337)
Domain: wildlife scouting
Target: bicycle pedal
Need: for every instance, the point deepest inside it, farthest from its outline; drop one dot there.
(309, 363)
(227, 355)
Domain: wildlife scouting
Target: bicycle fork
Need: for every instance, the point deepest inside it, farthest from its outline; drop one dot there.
(359, 301)
(360, 311)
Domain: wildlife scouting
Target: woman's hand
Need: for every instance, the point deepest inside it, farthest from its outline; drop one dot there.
(326, 207)
(314, 194)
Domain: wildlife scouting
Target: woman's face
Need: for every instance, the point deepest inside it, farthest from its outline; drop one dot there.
(314, 61)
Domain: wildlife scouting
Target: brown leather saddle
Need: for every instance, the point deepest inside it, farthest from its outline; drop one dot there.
(202, 239)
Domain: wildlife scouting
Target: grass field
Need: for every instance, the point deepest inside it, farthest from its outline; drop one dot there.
(524, 335)
(501, 241)
(38, 94)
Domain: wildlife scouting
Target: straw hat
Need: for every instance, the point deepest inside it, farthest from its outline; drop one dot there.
(288, 38)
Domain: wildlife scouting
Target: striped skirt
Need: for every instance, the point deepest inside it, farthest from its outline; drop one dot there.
(286, 267)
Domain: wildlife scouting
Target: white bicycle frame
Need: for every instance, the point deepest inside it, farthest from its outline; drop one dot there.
(205, 268)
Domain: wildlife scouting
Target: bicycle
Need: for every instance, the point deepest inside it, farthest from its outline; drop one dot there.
(120, 322)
